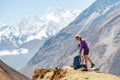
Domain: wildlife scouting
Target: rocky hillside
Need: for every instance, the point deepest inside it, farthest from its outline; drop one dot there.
(71, 74)
(99, 25)
(7, 73)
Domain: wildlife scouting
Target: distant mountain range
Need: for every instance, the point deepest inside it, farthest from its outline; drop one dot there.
(7, 73)
(20, 41)
(99, 25)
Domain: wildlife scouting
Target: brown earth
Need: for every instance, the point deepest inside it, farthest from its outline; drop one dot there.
(7, 73)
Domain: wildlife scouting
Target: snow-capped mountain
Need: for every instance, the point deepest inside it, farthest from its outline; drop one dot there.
(20, 41)
(99, 26)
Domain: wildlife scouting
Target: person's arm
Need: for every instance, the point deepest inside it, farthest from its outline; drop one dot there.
(82, 45)
(81, 48)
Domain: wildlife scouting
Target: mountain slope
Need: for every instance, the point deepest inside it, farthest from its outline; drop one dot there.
(20, 41)
(7, 73)
(99, 26)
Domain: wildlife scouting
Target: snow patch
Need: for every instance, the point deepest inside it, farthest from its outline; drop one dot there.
(52, 17)
(39, 35)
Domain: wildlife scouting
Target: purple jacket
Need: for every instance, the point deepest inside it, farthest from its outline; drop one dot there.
(83, 45)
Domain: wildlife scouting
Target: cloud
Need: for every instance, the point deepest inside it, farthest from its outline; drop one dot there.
(14, 52)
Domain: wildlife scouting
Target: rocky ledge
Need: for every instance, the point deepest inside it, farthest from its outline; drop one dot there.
(71, 74)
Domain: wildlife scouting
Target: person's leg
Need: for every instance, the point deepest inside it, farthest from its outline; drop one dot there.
(86, 53)
(92, 64)
(85, 58)
(88, 59)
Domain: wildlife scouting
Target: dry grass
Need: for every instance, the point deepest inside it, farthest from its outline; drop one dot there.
(71, 74)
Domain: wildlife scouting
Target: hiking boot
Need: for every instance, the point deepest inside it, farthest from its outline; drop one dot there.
(92, 65)
(85, 66)
(85, 69)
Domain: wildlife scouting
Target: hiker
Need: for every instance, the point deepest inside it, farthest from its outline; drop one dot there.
(83, 46)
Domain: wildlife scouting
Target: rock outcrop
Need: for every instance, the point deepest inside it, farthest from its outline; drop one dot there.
(71, 74)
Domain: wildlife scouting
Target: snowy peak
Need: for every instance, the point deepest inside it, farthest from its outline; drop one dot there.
(34, 27)
(22, 40)
(58, 14)
(54, 10)
(53, 21)
(34, 18)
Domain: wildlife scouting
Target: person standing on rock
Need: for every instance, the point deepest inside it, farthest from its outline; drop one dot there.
(83, 46)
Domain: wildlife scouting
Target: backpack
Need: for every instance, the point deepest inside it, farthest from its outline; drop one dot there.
(77, 62)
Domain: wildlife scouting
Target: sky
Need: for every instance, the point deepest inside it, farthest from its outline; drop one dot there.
(12, 11)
